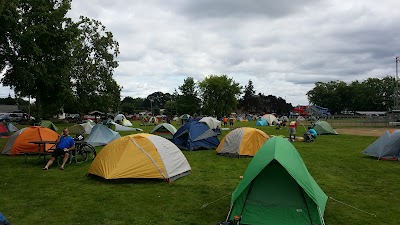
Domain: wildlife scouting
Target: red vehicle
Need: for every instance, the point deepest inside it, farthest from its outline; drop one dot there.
(301, 110)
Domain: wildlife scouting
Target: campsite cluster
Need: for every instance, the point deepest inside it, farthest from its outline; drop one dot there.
(277, 168)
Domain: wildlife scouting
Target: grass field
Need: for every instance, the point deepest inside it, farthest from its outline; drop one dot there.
(29, 195)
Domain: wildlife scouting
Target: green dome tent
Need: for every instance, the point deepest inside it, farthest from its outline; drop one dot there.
(278, 189)
(323, 127)
(184, 119)
(76, 129)
(165, 130)
(48, 124)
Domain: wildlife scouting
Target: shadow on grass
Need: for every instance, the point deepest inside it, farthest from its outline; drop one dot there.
(126, 180)
(380, 159)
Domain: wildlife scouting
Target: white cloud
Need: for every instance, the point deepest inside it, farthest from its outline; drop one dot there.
(283, 47)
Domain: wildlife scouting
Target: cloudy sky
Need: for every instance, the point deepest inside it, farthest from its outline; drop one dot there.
(283, 46)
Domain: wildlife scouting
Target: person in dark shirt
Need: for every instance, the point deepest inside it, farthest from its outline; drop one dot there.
(64, 144)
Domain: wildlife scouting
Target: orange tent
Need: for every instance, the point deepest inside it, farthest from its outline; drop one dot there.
(19, 141)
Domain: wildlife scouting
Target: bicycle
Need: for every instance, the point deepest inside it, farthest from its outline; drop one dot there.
(83, 150)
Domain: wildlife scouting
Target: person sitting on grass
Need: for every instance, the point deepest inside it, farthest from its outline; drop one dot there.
(283, 123)
(312, 132)
(64, 144)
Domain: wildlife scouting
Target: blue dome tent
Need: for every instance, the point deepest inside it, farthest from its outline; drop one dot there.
(195, 135)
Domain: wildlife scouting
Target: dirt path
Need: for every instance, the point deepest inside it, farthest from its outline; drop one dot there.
(363, 131)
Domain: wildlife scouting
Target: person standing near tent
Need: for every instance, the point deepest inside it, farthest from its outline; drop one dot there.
(64, 144)
(292, 130)
(231, 120)
(225, 120)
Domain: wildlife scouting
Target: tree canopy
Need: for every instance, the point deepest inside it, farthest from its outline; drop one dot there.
(47, 56)
(219, 94)
(188, 101)
(36, 56)
(94, 51)
(372, 94)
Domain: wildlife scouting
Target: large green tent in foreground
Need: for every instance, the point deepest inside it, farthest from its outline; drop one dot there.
(278, 189)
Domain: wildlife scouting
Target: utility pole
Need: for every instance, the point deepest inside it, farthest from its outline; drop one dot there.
(397, 91)
(151, 105)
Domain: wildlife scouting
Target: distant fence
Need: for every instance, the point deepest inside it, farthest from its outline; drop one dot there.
(365, 121)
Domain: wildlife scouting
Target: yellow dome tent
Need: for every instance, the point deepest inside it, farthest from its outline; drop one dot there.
(140, 156)
(244, 141)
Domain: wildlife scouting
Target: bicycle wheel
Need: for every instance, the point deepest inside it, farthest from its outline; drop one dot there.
(89, 151)
(80, 155)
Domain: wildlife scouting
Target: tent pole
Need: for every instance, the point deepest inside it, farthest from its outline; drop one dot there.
(320, 215)
(229, 213)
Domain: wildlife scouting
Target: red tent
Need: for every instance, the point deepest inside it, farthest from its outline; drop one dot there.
(3, 130)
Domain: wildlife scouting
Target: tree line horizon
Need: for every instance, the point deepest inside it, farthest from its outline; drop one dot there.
(372, 94)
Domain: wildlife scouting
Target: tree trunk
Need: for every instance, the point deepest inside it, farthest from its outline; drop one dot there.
(39, 106)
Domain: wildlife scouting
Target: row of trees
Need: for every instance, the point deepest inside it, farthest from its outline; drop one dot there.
(252, 103)
(372, 94)
(215, 95)
(13, 101)
(60, 63)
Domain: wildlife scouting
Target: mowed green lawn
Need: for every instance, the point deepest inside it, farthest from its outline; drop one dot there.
(29, 195)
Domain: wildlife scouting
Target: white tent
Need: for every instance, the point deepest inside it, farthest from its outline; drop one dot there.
(119, 127)
(285, 118)
(300, 118)
(211, 122)
(119, 117)
(88, 127)
(11, 127)
(126, 123)
(271, 119)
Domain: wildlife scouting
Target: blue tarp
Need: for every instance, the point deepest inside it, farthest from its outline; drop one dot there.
(195, 135)
(261, 122)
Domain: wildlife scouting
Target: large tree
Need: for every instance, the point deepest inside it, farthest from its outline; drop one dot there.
(131, 105)
(35, 50)
(219, 94)
(188, 101)
(249, 100)
(9, 21)
(94, 52)
(171, 106)
(272, 104)
(156, 101)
